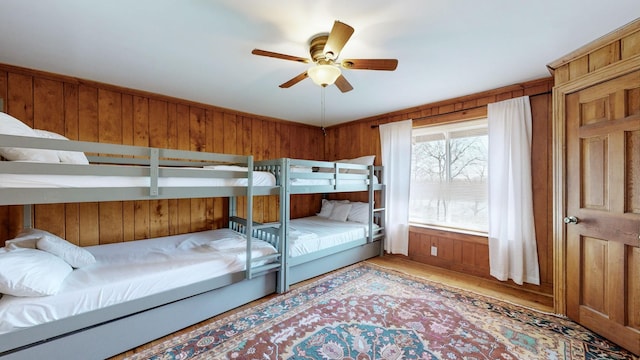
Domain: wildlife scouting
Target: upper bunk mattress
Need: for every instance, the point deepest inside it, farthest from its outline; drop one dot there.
(131, 270)
(320, 182)
(260, 178)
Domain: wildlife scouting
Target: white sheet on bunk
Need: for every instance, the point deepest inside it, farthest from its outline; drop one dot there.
(130, 270)
(315, 233)
(260, 178)
(306, 182)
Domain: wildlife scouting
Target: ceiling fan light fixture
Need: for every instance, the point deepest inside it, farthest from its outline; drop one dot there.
(325, 69)
(323, 74)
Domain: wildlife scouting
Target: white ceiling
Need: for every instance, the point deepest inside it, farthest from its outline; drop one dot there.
(200, 50)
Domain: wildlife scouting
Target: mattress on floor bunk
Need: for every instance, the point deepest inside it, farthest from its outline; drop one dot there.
(260, 178)
(131, 270)
(315, 233)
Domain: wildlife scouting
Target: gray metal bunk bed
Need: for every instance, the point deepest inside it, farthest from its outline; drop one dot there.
(108, 331)
(298, 176)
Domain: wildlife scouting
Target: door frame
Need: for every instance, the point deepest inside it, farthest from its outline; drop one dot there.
(559, 162)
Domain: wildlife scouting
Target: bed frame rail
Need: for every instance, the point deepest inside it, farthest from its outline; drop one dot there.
(131, 324)
(108, 160)
(338, 175)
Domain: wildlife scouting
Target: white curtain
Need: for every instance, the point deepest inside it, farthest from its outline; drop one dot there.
(512, 239)
(395, 139)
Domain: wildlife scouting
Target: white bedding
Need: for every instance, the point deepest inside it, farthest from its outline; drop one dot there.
(306, 182)
(260, 178)
(130, 270)
(314, 233)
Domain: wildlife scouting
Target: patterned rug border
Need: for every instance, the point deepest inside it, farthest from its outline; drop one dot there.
(460, 289)
(325, 284)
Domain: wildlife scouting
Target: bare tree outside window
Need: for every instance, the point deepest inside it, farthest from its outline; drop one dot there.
(449, 176)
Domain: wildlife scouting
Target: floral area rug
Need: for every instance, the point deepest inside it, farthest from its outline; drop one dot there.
(368, 312)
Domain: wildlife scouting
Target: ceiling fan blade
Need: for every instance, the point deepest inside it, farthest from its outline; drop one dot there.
(338, 37)
(295, 80)
(279, 56)
(370, 64)
(343, 84)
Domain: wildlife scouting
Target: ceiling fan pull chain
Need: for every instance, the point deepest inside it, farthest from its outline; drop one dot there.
(322, 110)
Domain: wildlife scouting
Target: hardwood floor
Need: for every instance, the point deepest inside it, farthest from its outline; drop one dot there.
(402, 264)
(495, 289)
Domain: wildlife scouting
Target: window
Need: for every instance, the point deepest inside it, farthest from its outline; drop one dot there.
(449, 176)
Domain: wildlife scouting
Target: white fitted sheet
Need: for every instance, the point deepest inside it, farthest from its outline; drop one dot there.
(260, 178)
(130, 270)
(307, 182)
(314, 233)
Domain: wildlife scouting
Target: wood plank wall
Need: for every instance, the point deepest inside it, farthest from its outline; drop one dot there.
(610, 49)
(90, 111)
(460, 252)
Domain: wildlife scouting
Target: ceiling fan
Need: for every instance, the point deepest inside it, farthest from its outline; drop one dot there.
(324, 50)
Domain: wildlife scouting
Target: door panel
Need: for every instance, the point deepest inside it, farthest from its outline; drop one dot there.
(595, 280)
(603, 192)
(633, 263)
(594, 163)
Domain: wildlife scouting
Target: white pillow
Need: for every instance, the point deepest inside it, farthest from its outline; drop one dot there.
(30, 272)
(71, 157)
(74, 255)
(27, 238)
(363, 160)
(327, 207)
(340, 211)
(359, 212)
(12, 126)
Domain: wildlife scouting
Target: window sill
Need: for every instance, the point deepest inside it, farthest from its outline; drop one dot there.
(448, 229)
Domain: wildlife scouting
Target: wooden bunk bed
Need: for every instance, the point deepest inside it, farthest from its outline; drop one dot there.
(157, 174)
(298, 176)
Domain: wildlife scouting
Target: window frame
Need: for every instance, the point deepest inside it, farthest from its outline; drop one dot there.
(462, 125)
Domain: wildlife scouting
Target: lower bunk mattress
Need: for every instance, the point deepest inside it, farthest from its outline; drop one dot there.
(131, 270)
(315, 233)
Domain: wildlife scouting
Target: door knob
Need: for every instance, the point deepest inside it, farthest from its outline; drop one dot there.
(571, 220)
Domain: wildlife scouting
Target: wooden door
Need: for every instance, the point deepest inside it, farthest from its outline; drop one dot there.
(603, 194)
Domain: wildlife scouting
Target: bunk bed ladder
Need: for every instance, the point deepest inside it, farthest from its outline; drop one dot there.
(379, 212)
(371, 197)
(249, 212)
(285, 214)
(274, 233)
(280, 169)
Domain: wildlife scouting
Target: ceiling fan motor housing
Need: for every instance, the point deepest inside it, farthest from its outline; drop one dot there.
(316, 49)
